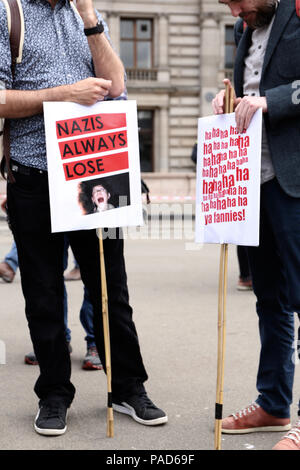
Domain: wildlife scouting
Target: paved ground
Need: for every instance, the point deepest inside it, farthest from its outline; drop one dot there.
(174, 295)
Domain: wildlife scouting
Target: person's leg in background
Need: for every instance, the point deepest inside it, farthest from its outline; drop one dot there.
(245, 281)
(10, 264)
(74, 273)
(65, 262)
(92, 360)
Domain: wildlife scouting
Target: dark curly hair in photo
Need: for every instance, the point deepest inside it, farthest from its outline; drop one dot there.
(103, 194)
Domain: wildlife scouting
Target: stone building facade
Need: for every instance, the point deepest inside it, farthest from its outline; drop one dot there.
(175, 55)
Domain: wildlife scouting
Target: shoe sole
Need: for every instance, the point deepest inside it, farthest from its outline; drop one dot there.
(49, 432)
(287, 427)
(31, 363)
(7, 279)
(90, 366)
(128, 410)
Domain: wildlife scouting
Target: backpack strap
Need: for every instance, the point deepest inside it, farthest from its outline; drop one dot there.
(15, 21)
(74, 8)
(298, 8)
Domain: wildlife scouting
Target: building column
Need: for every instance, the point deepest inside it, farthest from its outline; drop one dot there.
(162, 49)
(161, 146)
(209, 66)
(113, 21)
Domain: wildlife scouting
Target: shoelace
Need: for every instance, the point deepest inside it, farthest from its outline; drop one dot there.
(294, 433)
(246, 411)
(53, 410)
(92, 351)
(145, 401)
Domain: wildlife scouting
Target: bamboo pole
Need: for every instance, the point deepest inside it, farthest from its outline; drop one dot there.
(222, 295)
(110, 416)
(218, 422)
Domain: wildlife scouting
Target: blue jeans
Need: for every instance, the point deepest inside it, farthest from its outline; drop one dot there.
(12, 258)
(86, 318)
(86, 311)
(65, 263)
(275, 272)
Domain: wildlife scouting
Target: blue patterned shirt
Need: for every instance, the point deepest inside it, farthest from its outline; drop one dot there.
(56, 52)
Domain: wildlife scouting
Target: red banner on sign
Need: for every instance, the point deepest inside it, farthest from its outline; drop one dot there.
(96, 166)
(90, 145)
(88, 124)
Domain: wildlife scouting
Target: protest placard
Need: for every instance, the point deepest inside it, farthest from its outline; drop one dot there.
(228, 181)
(93, 165)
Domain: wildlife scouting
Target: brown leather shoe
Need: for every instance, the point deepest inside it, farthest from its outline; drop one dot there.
(291, 441)
(6, 272)
(254, 419)
(73, 275)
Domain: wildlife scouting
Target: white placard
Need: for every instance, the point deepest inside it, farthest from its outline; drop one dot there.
(93, 165)
(228, 181)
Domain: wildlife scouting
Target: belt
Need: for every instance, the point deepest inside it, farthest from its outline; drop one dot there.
(17, 167)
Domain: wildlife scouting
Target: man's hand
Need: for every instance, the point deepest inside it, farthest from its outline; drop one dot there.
(89, 91)
(87, 12)
(218, 103)
(245, 110)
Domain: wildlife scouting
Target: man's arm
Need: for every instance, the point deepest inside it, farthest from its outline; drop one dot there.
(24, 103)
(106, 62)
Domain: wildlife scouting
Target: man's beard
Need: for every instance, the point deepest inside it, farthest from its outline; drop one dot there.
(263, 16)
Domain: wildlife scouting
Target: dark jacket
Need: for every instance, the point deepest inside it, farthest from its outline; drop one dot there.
(281, 69)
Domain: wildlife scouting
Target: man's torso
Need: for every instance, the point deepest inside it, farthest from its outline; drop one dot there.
(55, 53)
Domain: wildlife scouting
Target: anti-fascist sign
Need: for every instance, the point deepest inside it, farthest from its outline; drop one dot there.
(228, 181)
(93, 165)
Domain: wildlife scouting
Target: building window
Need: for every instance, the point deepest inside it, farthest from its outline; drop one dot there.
(146, 131)
(137, 43)
(230, 47)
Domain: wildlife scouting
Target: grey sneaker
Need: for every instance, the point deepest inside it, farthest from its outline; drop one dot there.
(92, 360)
(141, 409)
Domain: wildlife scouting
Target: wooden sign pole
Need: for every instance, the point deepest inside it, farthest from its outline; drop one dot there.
(110, 416)
(229, 101)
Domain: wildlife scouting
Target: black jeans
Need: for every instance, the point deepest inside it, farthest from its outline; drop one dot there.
(41, 268)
